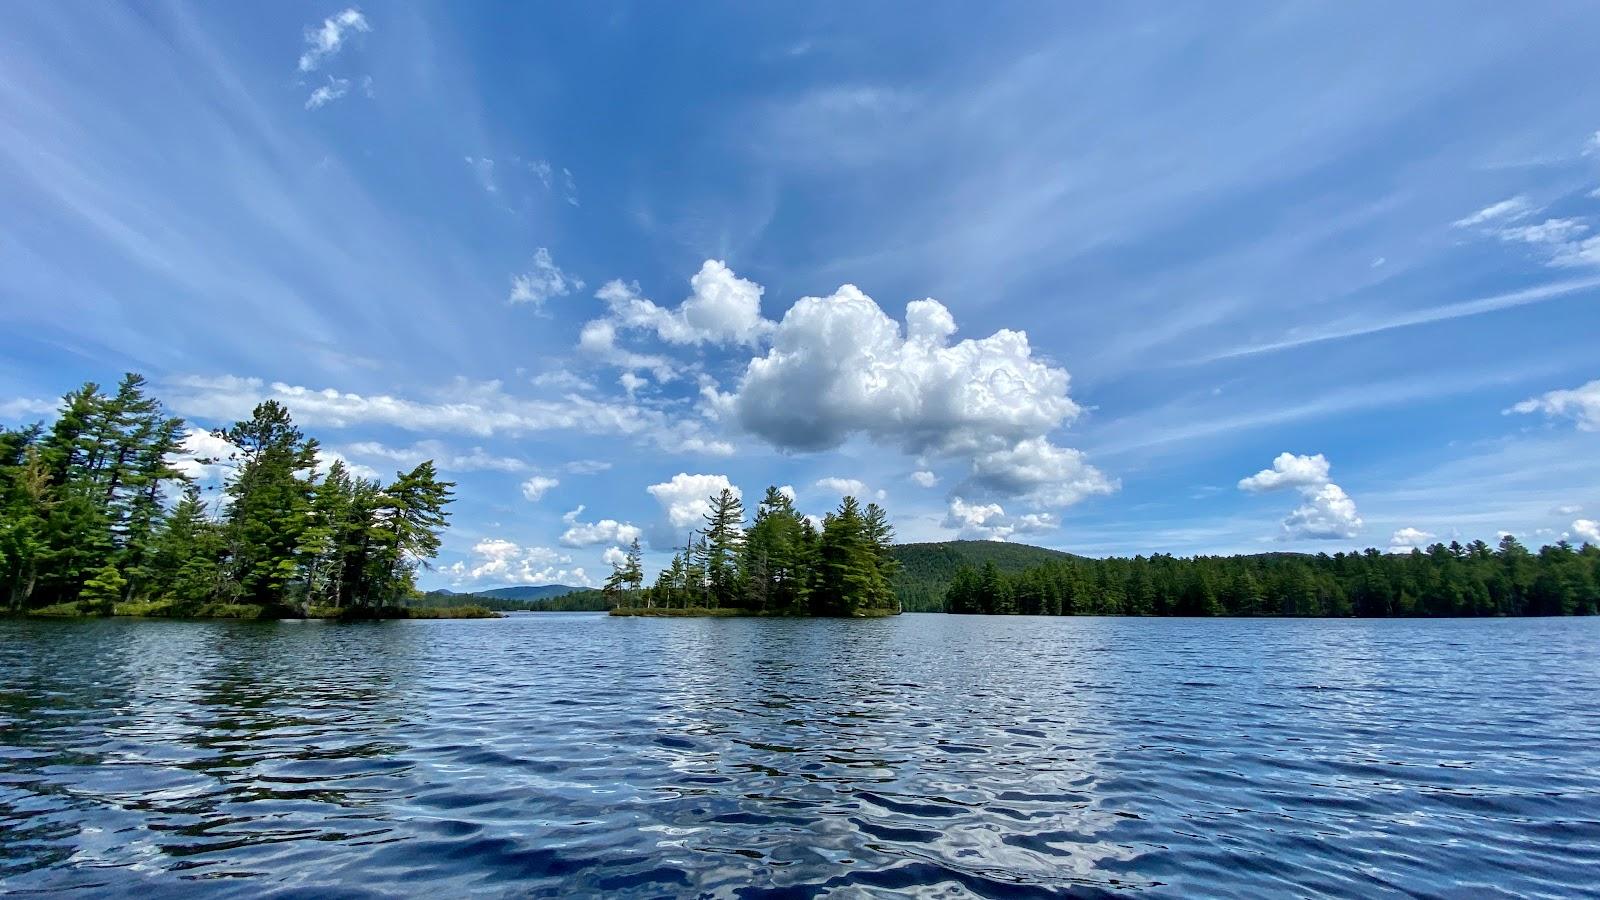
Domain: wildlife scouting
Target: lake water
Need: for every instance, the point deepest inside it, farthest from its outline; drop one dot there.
(941, 755)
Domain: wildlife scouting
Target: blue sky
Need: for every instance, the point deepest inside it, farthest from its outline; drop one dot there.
(1206, 279)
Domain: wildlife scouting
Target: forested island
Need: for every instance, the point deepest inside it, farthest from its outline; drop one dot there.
(95, 518)
(781, 565)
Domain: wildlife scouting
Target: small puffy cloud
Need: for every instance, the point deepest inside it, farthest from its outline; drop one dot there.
(1588, 530)
(327, 93)
(1326, 511)
(535, 487)
(614, 557)
(1567, 509)
(924, 478)
(202, 456)
(787, 490)
(544, 281)
(1581, 404)
(501, 561)
(26, 408)
(605, 531)
(1508, 210)
(1407, 539)
(1288, 470)
(325, 40)
(989, 521)
(852, 487)
(721, 309)
(685, 498)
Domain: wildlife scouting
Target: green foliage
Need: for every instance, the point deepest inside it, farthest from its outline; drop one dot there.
(86, 523)
(927, 569)
(780, 565)
(1446, 580)
(101, 592)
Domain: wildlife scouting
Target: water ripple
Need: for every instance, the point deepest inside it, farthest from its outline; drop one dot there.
(934, 756)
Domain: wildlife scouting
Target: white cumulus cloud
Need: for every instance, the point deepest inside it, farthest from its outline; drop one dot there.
(1588, 530)
(605, 531)
(853, 487)
(1407, 539)
(722, 308)
(924, 478)
(535, 487)
(989, 521)
(685, 498)
(1288, 470)
(839, 366)
(1040, 472)
(202, 456)
(1326, 510)
(504, 562)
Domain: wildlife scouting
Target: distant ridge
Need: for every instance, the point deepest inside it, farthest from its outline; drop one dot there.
(926, 569)
(515, 597)
(529, 591)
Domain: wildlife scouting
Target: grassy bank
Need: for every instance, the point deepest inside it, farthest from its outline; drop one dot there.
(729, 613)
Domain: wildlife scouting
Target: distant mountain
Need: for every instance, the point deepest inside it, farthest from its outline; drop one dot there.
(529, 591)
(540, 597)
(926, 569)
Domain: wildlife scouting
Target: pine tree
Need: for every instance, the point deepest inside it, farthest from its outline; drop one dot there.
(101, 592)
(724, 535)
(409, 515)
(269, 497)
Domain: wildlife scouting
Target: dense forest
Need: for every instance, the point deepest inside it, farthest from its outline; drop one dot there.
(926, 570)
(1445, 580)
(781, 564)
(96, 518)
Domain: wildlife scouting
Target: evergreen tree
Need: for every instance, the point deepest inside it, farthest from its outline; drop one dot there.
(269, 500)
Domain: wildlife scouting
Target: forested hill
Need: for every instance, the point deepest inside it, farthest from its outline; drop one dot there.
(532, 597)
(927, 569)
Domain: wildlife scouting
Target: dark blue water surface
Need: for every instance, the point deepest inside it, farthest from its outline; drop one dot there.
(929, 755)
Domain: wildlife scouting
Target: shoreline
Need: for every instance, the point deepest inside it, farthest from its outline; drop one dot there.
(249, 612)
(702, 612)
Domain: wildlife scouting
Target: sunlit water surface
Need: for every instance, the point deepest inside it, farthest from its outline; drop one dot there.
(944, 756)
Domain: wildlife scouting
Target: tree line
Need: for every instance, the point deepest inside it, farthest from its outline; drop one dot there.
(1445, 580)
(780, 564)
(94, 512)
